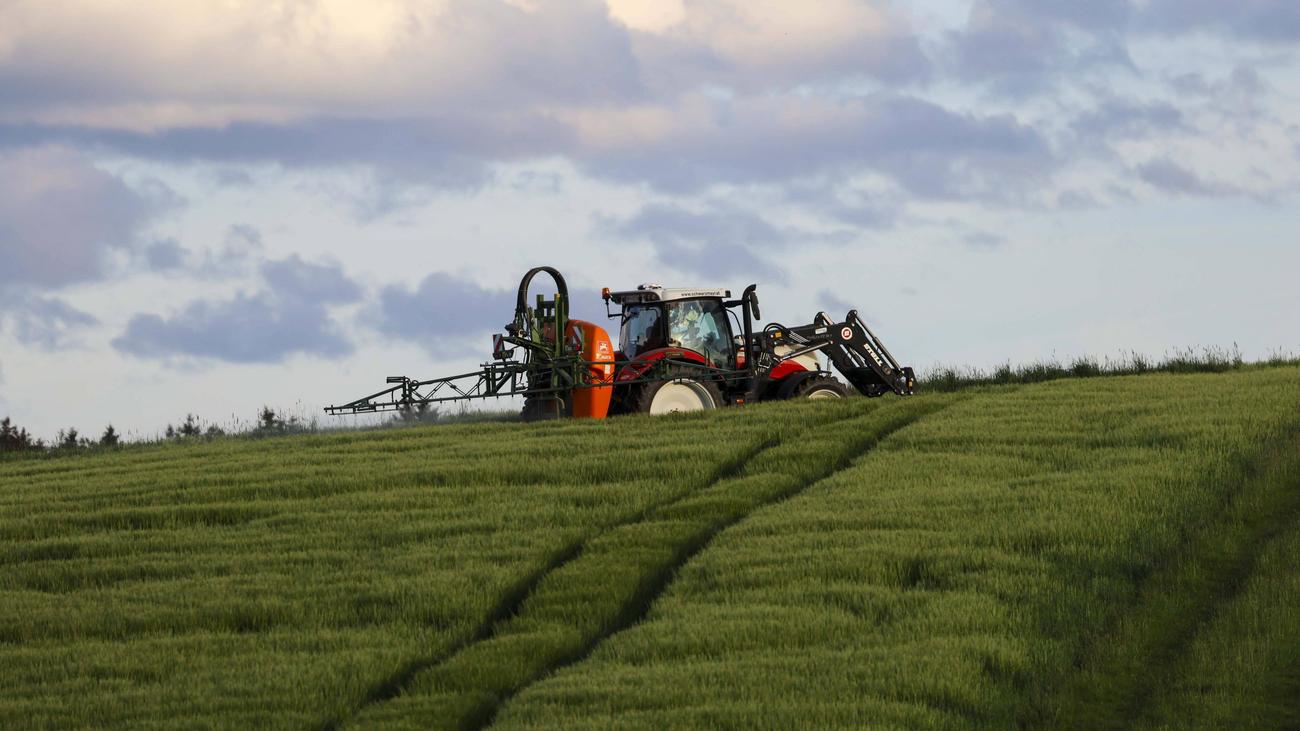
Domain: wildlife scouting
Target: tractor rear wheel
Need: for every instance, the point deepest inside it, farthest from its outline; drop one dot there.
(543, 408)
(819, 387)
(677, 394)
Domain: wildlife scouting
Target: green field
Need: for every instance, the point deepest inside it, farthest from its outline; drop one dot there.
(1099, 552)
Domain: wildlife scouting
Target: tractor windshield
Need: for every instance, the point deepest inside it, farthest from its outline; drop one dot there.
(700, 325)
(695, 324)
(643, 329)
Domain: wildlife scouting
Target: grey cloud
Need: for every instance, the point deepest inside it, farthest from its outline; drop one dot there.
(1024, 46)
(1244, 81)
(442, 311)
(538, 181)
(165, 255)
(44, 322)
(465, 53)
(719, 262)
(1171, 177)
(983, 240)
(450, 315)
(232, 177)
(239, 253)
(666, 224)
(833, 304)
(830, 199)
(1018, 47)
(308, 282)
(241, 248)
(718, 243)
(1271, 21)
(60, 216)
(1095, 15)
(929, 150)
(1116, 118)
(288, 317)
(679, 61)
(445, 150)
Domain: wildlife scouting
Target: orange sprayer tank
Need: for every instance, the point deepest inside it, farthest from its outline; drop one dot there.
(593, 342)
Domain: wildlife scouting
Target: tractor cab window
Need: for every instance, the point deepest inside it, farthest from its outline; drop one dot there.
(642, 330)
(700, 325)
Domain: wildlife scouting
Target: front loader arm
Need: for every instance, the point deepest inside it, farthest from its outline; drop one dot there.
(851, 347)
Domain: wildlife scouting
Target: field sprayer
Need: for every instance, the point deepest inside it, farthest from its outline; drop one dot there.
(678, 351)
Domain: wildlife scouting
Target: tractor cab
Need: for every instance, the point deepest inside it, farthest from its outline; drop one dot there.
(656, 319)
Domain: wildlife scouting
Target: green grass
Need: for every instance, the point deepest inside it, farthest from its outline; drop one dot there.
(1086, 552)
(1186, 360)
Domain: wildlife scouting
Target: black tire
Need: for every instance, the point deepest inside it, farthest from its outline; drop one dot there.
(544, 408)
(641, 399)
(818, 387)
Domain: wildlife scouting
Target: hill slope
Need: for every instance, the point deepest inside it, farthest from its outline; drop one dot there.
(1111, 551)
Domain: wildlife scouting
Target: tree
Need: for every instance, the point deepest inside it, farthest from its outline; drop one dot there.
(270, 421)
(68, 439)
(110, 437)
(15, 439)
(421, 413)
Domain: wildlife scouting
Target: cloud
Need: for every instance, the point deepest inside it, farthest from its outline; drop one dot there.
(443, 311)
(761, 45)
(434, 93)
(445, 150)
(44, 322)
(1170, 177)
(719, 242)
(86, 61)
(164, 255)
(1118, 118)
(832, 304)
(60, 216)
(1269, 21)
(930, 151)
(301, 280)
(1026, 46)
(983, 240)
(290, 316)
(449, 315)
(1019, 46)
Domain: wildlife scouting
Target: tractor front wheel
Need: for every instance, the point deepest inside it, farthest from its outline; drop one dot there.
(678, 394)
(819, 387)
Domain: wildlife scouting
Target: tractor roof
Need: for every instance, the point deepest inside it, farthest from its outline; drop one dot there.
(656, 293)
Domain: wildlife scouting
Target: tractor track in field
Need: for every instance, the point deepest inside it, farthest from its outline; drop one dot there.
(1236, 568)
(514, 597)
(635, 610)
(1228, 559)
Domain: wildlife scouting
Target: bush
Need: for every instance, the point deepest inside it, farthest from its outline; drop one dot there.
(15, 439)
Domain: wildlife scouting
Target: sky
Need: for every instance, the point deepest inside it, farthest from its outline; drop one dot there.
(207, 207)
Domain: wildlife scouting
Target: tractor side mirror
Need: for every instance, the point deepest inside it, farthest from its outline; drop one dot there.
(752, 296)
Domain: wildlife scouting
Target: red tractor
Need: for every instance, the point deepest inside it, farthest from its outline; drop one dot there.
(678, 350)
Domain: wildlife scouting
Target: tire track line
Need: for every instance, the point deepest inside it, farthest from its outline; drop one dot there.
(636, 610)
(514, 597)
(1210, 568)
